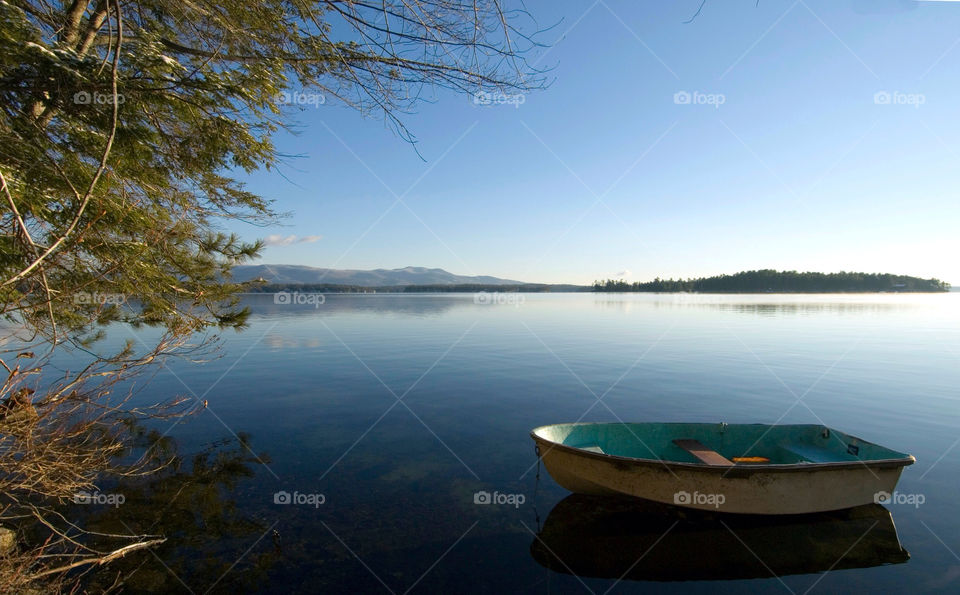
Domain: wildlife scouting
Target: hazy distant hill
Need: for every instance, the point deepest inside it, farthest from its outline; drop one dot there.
(295, 274)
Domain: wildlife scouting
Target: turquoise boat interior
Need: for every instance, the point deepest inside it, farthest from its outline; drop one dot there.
(779, 444)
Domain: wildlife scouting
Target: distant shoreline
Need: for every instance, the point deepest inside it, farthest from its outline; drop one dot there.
(467, 288)
(748, 282)
(413, 290)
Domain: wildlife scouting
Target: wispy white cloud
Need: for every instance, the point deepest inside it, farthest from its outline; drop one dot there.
(623, 274)
(280, 240)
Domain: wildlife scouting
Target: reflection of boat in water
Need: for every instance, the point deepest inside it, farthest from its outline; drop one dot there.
(634, 539)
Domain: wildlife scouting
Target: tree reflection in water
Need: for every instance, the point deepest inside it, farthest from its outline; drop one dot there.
(192, 502)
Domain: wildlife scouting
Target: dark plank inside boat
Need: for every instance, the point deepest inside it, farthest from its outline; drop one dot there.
(703, 453)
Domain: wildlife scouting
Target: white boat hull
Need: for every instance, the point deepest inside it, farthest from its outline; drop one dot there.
(792, 489)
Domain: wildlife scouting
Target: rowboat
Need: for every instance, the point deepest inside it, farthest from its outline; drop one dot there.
(734, 468)
(633, 539)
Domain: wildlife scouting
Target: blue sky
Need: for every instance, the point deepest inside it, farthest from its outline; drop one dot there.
(835, 147)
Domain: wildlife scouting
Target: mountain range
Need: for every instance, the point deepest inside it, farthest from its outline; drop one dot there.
(296, 274)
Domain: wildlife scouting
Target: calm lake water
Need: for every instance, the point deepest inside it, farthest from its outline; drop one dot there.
(398, 409)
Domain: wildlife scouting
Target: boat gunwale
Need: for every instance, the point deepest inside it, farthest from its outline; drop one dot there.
(738, 470)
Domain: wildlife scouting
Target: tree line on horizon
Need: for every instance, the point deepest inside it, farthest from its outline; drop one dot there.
(772, 281)
(431, 288)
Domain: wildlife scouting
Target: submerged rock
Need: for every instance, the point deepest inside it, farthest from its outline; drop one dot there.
(8, 541)
(18, 407)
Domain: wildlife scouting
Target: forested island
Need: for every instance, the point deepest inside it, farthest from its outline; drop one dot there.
(771, 281)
